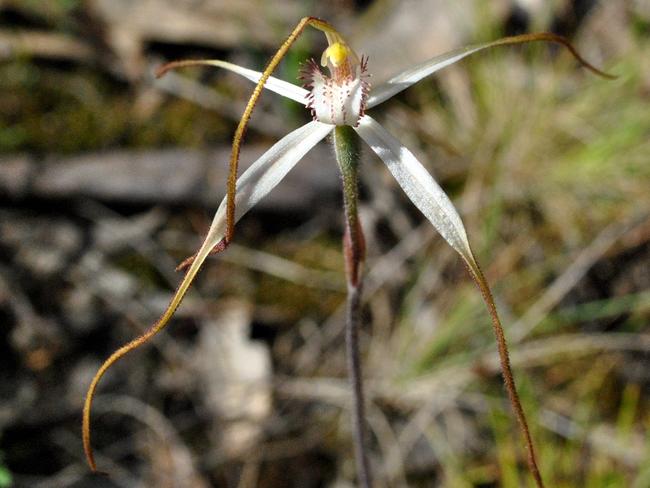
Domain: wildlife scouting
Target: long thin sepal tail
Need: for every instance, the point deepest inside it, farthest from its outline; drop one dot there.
(403, 80)
(256, 182)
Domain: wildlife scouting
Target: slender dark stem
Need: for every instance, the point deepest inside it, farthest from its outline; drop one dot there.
(346, 150)
(353, 321)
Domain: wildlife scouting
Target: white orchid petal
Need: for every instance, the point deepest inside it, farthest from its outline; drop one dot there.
(418, 184)
(265, 174)
(412, 75)
(284, 88)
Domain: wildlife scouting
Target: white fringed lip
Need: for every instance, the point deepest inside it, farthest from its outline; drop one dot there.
(336, 100)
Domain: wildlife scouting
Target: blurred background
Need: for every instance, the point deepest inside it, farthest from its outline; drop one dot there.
(109, 178)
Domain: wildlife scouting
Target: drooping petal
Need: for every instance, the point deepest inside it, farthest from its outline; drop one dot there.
(256, 182)
(418, 184)
(263, 175)
(284, 88)
(403, 80)
(427, 196)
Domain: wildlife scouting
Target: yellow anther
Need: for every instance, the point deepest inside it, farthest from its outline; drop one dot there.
(337, 54)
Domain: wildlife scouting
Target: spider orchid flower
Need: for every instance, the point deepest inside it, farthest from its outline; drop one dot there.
(342, 99)
(338, 94)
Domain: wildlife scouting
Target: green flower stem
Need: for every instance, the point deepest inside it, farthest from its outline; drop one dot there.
(346, 150)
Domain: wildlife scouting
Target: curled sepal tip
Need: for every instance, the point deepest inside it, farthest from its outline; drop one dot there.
(550, 37)
(405, 79)
(256, 182)
(504, 358)
(176, 300)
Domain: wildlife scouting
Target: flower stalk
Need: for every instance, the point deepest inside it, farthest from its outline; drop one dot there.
(346, 151)
(347, 154)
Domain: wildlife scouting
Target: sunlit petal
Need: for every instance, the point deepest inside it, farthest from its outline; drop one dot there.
(418, 184)
(403, 80)
(286, 89)
(412, 75)
(259, 179)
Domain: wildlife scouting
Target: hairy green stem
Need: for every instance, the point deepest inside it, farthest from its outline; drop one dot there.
(346, 150)
(506, 370)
